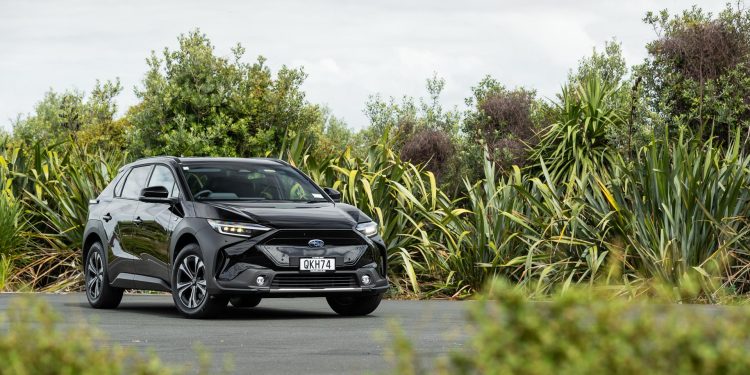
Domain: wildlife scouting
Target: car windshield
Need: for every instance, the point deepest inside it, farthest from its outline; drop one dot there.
(249, 181)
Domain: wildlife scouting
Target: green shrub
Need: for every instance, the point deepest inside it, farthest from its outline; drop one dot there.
(581, 332)
(31, 342)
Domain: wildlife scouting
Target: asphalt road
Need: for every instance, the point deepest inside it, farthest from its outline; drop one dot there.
(279, 336)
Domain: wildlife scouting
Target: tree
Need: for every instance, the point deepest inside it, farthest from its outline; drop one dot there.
(413, 124)
(404, 118)
(609, 65)
(335, 136)
(610, 68)
(697, 72)
(502, 124)
(71, 114)
(194, 102)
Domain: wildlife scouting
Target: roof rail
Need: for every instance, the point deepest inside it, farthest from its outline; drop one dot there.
(280, 161)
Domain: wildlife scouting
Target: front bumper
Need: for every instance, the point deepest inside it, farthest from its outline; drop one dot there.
(275, 257)
(295, 283)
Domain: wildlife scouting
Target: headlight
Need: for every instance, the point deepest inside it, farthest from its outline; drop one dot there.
(368, 229)
(237, 229)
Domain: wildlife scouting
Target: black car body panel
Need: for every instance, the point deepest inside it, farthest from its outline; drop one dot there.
(142, 236)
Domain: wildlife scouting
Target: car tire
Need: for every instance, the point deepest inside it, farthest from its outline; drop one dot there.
(99, 293)
(354, 305)
(189, 289)
(245, 301)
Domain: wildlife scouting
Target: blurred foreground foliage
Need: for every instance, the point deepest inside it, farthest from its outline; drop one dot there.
(589, 331)
(33, 342)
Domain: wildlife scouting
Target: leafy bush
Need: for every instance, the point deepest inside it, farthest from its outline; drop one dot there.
(431, 148)
(502, 126)
(90, 119)
(581, 332)
(31, 342)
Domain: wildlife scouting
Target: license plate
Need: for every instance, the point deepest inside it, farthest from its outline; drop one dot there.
(317, 264)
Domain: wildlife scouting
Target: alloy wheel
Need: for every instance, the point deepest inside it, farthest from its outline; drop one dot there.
(95, 275)
(191, 281)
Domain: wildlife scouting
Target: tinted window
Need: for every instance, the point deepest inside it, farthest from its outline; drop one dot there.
(249, 181)
(162, 176)
(135, 182)
(120, 183)
(108, 192)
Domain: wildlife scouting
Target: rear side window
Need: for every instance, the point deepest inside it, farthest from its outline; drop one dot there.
(135, 182)
(120, 182)
(108, 192)
(162, 176)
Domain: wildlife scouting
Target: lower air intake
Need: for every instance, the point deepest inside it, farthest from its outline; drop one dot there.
(314, 281)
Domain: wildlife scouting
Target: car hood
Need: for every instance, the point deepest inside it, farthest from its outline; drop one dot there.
(323, 215)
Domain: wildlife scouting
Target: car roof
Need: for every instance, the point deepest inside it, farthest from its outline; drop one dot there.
(199, 160)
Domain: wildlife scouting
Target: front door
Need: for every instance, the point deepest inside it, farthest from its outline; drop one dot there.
(157, 220)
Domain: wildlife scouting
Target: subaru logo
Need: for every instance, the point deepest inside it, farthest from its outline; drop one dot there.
(315, 243)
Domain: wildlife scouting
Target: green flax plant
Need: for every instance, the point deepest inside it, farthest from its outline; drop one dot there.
(684, 207)
(55, 183)
(576, 143)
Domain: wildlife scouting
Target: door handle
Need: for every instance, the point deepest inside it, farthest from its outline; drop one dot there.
(107, 217)
(138, 221)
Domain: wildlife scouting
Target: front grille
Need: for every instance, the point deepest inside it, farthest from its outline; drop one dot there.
(331, 280)
(286, 246)
(301, 237)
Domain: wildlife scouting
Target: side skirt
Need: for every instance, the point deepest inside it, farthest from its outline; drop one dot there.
(132, 281)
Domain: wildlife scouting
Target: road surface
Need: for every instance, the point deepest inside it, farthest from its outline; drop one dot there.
(280, 336)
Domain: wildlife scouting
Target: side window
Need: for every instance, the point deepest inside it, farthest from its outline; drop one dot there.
(162, 176)
(120, 183)
(135, 182)
(108, 192)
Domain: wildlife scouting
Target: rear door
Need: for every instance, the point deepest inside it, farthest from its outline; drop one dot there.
(157, 220)
(102, 211)
(123, 215)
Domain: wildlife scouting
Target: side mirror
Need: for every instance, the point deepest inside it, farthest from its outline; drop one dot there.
(333, 193)
(155, 194)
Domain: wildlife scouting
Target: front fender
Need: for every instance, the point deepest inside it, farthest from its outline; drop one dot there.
(209, 241)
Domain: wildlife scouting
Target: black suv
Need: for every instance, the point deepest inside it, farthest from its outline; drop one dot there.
(219, 230)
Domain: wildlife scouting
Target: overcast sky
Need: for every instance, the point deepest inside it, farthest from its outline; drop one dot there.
(350, 49)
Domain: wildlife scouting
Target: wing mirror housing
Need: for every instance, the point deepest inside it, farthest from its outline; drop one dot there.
(334, 194)
(156, 194)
